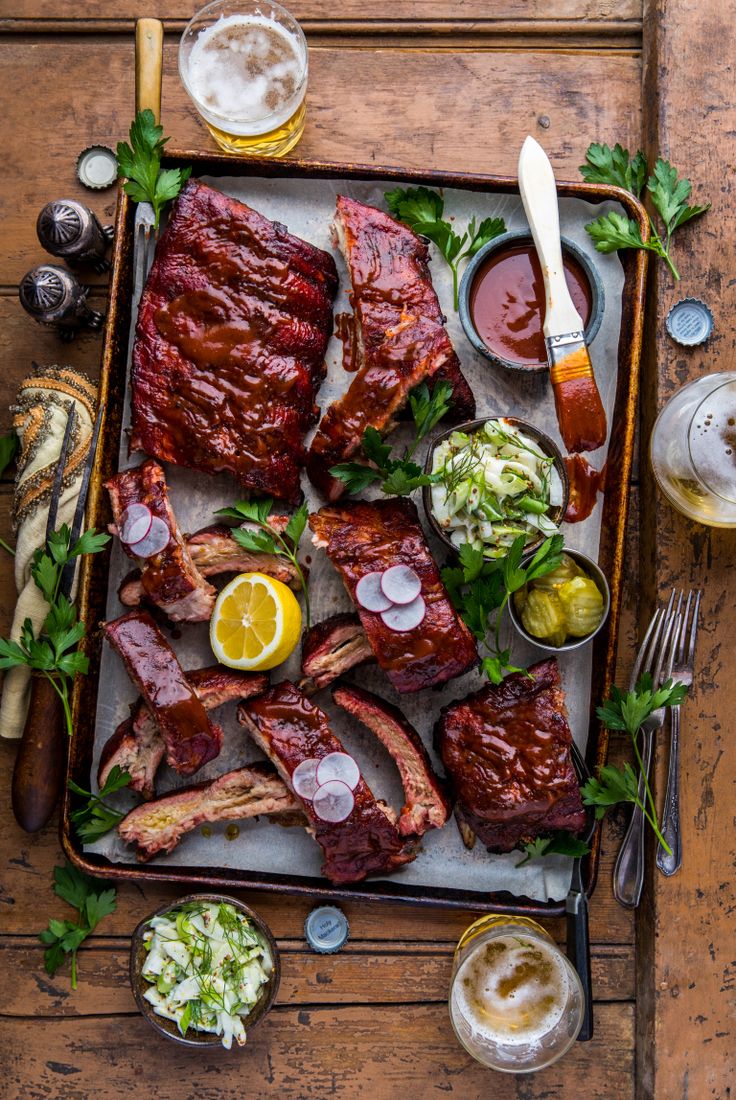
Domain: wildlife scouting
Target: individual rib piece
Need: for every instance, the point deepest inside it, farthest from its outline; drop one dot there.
(400, 342)
(332, 648)
(169, 579)
(137, 745)
(191, 738)
(229, 349)
(213, 550)
(366, 536)
(427, 805)
(159, 826)
(289, 728)
(507, 751)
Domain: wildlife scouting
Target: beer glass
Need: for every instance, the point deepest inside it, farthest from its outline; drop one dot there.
(693, 450)
(516, 1002)
(244, 66)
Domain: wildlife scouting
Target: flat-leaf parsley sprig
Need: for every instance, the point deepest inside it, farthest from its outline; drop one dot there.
(398, 476)
(64, 937)
(55, 651)
(668, 193)
(480, 589)
(140, 164)
(557, 844)
(422, 210)
(628, 712)
(96, 818)
(265, 539)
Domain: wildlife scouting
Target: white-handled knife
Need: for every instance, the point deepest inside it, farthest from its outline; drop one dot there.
(580, 411)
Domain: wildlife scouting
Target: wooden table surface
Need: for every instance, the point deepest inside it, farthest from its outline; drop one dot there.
(425, 83)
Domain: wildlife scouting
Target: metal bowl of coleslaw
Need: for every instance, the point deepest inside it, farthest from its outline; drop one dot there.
(497, 478)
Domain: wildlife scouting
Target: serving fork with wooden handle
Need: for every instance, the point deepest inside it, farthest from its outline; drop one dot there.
(580, 412)
(149, 45)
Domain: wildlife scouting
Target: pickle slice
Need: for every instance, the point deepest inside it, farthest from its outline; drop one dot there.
(543, 616)
(565, 571)
(582, 606)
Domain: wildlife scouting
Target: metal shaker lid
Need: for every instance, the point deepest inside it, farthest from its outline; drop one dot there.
(326, 929)
(97, 167)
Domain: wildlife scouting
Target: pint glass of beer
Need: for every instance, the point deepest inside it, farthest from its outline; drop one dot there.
(244, 66)
(516, 1003)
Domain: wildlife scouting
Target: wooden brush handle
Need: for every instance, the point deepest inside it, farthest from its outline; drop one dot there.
(39, 765)
(149, 49)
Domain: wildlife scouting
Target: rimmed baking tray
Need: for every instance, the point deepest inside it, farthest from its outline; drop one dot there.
(93, 590)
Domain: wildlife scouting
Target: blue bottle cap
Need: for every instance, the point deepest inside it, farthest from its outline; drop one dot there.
(326, 929)
(689, 322)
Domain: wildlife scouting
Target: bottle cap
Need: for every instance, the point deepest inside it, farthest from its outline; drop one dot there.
(97, 167)
(326, 929)
(689, 322)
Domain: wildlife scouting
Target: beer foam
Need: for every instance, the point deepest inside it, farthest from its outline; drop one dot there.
(244, 70)
(511, 991)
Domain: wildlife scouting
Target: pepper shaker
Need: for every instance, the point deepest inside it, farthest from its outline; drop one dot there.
(54, 297)
(70, 230)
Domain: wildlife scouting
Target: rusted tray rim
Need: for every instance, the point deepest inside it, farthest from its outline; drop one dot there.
(616, 499)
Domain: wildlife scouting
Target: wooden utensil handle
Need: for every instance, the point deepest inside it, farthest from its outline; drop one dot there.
(39, 765)
(149, 46)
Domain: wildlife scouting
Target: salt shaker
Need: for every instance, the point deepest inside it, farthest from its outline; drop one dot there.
(70, 230)
(54, 297)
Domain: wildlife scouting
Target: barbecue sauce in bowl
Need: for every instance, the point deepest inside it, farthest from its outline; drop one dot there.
(507, 303)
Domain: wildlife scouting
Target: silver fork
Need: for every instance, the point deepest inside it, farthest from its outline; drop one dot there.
(146, 237)
(682, 670)
(655, 656)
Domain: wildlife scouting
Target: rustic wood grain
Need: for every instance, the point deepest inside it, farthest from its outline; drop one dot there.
(307, 1053)
(686, 928)
(468, 110)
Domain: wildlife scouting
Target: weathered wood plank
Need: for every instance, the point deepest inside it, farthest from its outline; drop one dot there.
(468, 110)
(367, 973)
(308, 1054)
(687, 967)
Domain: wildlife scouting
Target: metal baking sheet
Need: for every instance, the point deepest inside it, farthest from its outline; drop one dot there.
(444, 866)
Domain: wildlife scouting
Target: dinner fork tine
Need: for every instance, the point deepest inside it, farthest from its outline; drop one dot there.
(669, 862)
(59, 475)
(655, 657)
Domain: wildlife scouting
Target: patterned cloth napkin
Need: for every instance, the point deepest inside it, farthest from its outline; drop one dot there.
(41, 411)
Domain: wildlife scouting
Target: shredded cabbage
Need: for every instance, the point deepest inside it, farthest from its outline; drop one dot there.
(494, 486)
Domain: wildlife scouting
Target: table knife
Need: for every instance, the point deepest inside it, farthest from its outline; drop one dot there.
(580, 413)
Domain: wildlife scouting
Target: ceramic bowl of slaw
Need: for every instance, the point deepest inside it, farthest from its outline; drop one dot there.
(204, 970)
(497, 478)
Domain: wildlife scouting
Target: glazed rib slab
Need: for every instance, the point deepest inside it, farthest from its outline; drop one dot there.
(229, 347)
(506, 749)
(401, 338)
(363, 537)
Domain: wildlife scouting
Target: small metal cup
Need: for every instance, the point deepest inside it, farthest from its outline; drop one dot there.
(596, 574)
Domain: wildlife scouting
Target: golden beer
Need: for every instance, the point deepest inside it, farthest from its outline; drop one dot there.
(245, 68)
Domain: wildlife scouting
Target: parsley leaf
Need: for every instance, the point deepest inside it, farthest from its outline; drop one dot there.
(265, 539)
(422, 209)
(9, 447)
(139, 163)
(558, 844)
(63, 937)
(612, 232)
(96, 818)
(398, 476)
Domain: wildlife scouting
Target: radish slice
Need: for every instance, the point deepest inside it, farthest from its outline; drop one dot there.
(333, 801)
(135, 523)
(304, 778)
(369, 594)
(406, 616)
(155, 541)
(400, 584)
(338, 765)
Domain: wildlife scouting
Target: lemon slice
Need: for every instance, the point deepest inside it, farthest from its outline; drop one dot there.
(256, 623)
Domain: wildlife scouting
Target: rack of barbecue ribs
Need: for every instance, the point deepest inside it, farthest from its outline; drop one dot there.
(190, 737)
(157, 827)
(507, 752)
(137, 746)
(331, 648)
(363, 537)
(400, 342)
(427, 805)
(290, 729)
(232, 329)
(169, 579)
(213, 550)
